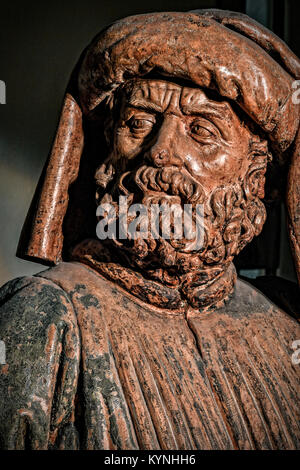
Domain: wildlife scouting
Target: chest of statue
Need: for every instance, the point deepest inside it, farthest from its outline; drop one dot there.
(154, 379)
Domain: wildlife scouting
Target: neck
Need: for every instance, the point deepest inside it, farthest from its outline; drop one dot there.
(201, 290)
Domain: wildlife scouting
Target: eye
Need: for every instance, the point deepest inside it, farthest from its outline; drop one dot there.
(203, 131)
(199, 130)
(140, 125)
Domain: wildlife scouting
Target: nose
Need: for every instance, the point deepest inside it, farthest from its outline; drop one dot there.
(163, 152)
(160, 157)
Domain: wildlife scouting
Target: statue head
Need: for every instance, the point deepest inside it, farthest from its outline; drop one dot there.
(173, 145)
(192, 106)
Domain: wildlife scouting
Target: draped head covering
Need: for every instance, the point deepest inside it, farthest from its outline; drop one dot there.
(227, 52)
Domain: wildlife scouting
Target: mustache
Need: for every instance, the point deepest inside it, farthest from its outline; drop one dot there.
(170, 181)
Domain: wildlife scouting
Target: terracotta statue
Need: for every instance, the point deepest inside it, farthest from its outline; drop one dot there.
(152, 342)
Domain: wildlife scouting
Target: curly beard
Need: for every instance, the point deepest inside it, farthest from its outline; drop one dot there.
(232, 215)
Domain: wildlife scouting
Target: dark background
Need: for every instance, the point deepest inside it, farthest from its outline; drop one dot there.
(40, 42)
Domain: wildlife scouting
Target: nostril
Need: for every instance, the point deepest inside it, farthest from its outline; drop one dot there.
(161, 157)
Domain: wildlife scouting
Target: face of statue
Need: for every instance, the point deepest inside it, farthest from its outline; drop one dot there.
(175, 145)
(174, 126)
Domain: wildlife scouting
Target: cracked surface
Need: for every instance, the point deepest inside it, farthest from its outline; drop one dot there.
(91, 367)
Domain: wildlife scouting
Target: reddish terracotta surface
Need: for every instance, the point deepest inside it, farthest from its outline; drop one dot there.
(151, 344)
(219, 50)
(118, 373)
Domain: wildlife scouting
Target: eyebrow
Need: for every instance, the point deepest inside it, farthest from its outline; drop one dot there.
(210, 111)
(144, 105)
(206, 109)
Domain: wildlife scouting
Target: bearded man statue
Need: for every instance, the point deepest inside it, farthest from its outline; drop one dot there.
(141, 340)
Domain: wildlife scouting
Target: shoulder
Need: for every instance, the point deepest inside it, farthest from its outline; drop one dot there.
(33, 294)
(32, 307)
(282, 292)
(248, 302)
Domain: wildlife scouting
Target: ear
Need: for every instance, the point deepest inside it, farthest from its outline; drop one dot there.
(42, 235)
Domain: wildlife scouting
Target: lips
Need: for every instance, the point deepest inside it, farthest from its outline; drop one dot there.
(168, 181)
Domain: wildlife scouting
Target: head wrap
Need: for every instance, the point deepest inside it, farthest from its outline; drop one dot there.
(220, 50)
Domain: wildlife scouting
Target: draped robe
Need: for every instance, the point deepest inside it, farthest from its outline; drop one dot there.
(89, 366)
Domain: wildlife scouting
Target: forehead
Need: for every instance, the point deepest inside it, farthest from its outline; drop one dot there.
(162, 96)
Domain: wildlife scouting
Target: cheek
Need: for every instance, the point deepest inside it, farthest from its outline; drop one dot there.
(215, 166)
(125, 145)
(226, 165)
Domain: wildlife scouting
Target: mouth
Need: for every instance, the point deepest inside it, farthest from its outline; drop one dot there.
(164, 182)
